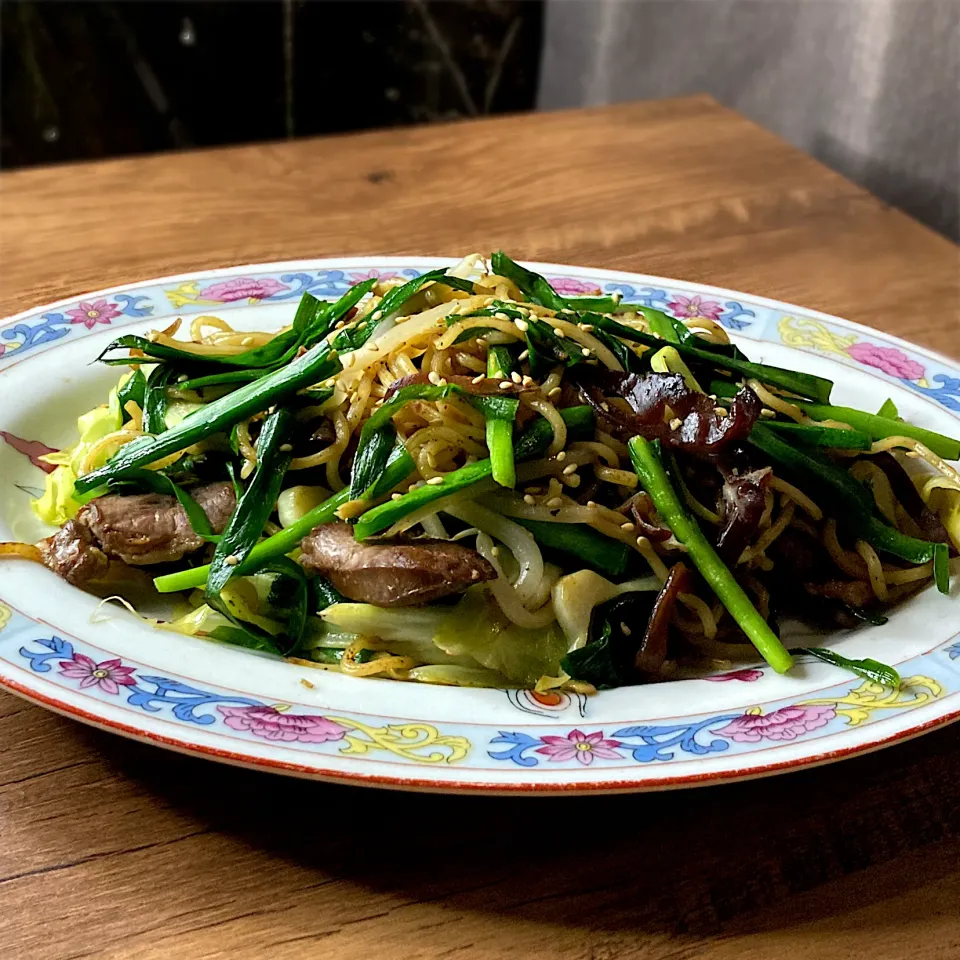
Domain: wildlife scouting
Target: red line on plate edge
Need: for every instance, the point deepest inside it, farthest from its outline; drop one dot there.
(464, 786)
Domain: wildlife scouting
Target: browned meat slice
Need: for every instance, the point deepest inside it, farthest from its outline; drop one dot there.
(139, 529)
(74, 554)
(395, 572)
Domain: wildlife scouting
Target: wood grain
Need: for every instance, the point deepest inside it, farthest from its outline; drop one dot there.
(110, 849)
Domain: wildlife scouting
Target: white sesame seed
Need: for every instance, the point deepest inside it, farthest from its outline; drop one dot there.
(586, 351)
(522, 325)
(396, 496)
(629, 527)
(605, 407)
(286, 447)
(528, 499)
(555, 502)
(558, 331)
(377, 315)
(515, 377)
(339, 324)
(571, 468)
(562, 455)
(587, 327)
(435, 481)
(624, 629)
(495, 551)
(769, 414)
(479, 378)
(433, 377)
(500, 315)
(505, 384)
(232, 560)
(442, 382)
(523, 356)
(528, 381)
(676, 423)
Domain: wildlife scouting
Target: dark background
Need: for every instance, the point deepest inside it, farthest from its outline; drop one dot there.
(83, 80)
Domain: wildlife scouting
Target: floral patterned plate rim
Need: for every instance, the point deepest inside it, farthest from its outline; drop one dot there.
(114, 672)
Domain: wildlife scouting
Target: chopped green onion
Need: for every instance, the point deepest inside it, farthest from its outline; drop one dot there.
(880, 427)
(499, 429)
(654, 479)
(868, 668)
(855, 508)
(588, 546)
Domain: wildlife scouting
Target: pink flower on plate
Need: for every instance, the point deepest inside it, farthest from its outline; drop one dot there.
(681, 306)
(746, 675)
(109, 676)
(574, 287)
(272, 724)
(582, 746)
(242, 288)
(787, 723)
(370, 274)
(90, 314)
(888, 359)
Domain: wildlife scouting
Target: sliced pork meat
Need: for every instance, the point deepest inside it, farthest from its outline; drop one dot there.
(139, 529)
(393, 572)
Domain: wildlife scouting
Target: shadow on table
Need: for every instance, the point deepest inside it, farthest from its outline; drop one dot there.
(680, 862)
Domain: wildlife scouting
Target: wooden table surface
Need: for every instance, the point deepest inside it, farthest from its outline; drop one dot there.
(112, 849)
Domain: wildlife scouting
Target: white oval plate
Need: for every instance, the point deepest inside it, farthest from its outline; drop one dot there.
(110, 670)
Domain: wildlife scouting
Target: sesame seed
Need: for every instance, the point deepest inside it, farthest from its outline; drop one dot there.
(495, 551)
(555, 502)
(528, 499)
(515, 377)
(435, 481)
(676, 423)
(523, 356)
(769, 414)
(558, 331)
(528, 381)
(586, 351)
(479, 378)
(505, 384)
(442, 382)
(629, 527)
(286, 447)
(522, 325)
(587, 327)
(500, 315)
(396, 496)
(433, 377)
(554, 393)
(232, 560)
(624, 629)
(571, 468)
(605, 407)
(562, 455)
(339, 324)
(377, 315)
(329, 383)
